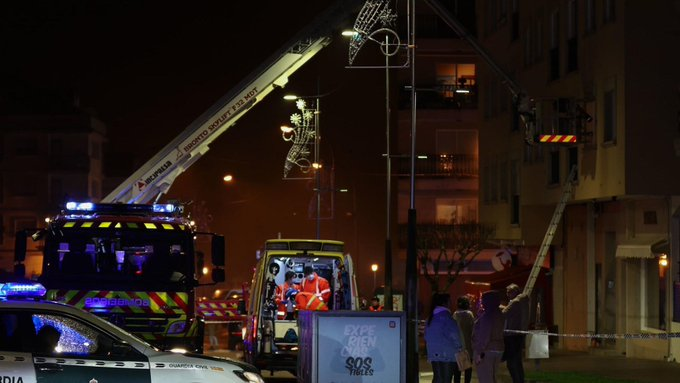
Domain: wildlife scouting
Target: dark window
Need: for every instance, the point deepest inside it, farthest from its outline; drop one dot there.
(23, 187)
(514, 192)
(56, 146)
(554, 45)
(26, 146)
(573, 160)
(590, 15)
(572, 37)
(609, 14)
(554, 175)
(56, 190)
(514, 34)
(514, 210)
(649, 217)
(23, 223)
(503, 175)
(609, 134)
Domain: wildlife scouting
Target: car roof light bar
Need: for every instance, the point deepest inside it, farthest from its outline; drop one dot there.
(22, 290)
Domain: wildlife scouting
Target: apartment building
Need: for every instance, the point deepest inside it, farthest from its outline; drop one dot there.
(45, 160)
(604, 71)
(446, 171)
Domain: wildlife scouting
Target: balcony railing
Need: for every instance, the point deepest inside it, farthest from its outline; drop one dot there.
(440, 165)
(440, 96)
(445, 233)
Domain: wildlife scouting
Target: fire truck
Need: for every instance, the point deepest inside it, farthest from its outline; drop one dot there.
(134, 261)
(134, 265)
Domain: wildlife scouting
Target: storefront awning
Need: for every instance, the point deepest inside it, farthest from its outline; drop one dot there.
(643, 247)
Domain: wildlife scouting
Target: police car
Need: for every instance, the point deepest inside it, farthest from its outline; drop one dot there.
(44, 341)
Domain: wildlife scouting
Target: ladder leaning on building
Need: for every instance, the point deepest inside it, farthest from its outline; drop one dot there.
(550, 233)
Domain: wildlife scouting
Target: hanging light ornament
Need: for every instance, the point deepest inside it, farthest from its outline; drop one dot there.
(300, 134)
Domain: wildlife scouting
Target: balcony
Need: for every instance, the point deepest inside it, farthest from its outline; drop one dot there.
(448, 234)
(440, 166)
(441, 96)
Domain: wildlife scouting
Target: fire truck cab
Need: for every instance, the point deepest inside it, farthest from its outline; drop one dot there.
(134, 265)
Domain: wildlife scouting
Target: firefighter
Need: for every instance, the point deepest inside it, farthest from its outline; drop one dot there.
(286, 307)
(315, 284)
(375, 305)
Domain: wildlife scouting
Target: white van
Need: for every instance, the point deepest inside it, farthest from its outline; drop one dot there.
(270, 341)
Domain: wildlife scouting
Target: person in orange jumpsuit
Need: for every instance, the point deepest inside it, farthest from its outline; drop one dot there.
(309, 301)
(375, 305)
(286, 307)
(315, 284)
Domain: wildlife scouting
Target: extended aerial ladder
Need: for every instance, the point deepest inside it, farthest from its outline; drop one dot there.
(550, 233)
(156, 176)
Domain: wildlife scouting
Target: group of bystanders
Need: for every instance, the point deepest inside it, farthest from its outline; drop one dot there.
(484, 338)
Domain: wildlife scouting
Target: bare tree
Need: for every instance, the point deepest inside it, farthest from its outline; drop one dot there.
(449, 248)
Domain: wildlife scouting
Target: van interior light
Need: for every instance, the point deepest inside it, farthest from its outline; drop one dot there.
(22, 290)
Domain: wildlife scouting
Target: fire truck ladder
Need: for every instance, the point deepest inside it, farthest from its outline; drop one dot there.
(554, 222)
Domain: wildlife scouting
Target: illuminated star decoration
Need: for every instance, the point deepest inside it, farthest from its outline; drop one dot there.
(373, 12)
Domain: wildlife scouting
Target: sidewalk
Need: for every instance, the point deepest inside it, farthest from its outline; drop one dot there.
(606, 366)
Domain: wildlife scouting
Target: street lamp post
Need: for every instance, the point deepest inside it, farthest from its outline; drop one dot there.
(374, 268)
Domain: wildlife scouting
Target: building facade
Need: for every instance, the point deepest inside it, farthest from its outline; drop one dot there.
(606, 73)
(46, 160)
(446, 169)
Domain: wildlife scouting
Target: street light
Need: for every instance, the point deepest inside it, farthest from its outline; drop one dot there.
(374, 268)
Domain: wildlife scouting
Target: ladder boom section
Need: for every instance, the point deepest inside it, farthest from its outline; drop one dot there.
(550, 233)
(523, 105)
(155, 177)
(464, 34)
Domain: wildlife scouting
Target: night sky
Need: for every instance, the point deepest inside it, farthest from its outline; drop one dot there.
(148, 69)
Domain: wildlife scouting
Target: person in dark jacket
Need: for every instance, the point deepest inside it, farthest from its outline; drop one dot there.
(516, 318)
(465, 320)
(442, 339)
(487, 338)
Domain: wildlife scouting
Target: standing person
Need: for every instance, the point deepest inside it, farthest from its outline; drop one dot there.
(466, 320)
(442, 339)
(286, 306)
(487, 337)
(375, 305)
(516, 318)
(315, 284)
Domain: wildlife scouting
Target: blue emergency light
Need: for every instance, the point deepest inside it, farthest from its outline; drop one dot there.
(164, 208)
(80, 206)
(22, 290)
(86, 208)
